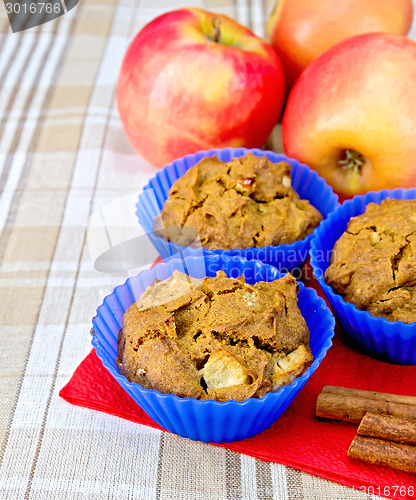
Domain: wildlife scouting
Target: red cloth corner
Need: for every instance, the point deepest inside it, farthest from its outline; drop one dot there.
(298, 439)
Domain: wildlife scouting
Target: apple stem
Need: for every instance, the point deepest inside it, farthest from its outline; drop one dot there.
(216, 22)
(352, 160)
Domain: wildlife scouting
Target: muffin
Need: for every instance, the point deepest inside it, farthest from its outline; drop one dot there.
(246, 202)
(373, 263)
(218, 338)
(208, 420)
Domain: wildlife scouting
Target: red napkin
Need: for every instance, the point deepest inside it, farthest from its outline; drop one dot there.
(298, 439)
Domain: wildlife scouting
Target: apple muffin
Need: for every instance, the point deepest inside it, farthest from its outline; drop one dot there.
(246, 202)
(217, 338)
(373, 264)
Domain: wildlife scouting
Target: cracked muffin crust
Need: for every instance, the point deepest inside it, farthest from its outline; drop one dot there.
(373, 264)
(218, 338)
(246, 202)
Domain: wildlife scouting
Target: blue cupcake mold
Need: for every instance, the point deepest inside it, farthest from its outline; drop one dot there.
(393, 341)
(305, 181)
(209, 421)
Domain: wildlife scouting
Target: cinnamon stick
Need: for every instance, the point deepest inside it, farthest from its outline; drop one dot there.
(379, 452)
(383, 396)
(353, 408)
(388, 427)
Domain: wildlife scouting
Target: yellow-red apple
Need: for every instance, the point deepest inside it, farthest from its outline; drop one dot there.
(301, 30)
(351, 115)
(194, 80)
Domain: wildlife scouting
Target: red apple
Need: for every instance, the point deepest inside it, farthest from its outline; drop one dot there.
(351, 115)
(194, 80)
(301, 30)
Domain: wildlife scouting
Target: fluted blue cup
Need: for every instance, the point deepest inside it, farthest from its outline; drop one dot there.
(209, 421)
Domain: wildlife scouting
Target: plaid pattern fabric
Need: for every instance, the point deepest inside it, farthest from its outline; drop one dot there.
(63, 154)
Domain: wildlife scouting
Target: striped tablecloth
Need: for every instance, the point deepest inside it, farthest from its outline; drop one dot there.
(63, 154)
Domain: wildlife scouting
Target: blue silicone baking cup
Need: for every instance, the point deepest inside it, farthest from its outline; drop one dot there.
(392, 341)
(305, 181)
(209, 421)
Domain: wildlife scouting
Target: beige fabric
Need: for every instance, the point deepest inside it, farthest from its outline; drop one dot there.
(62, 155)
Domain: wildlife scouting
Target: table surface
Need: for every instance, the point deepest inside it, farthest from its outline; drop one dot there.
(63, 155)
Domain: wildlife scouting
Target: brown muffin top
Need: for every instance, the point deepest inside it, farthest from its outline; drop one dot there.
(218, 339)
(373, 264)
(247, 202)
